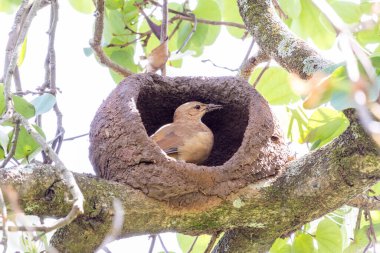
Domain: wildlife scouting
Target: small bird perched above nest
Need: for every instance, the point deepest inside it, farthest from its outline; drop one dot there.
(187, 138)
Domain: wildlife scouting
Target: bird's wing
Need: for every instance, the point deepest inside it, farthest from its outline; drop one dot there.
(168, 139)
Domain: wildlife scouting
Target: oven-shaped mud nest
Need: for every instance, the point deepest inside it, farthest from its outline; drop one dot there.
(248, 145)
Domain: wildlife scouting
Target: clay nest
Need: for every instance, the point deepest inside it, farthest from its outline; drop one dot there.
(248, 144)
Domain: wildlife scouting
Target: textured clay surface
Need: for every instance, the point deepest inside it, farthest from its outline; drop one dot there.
(248, 144)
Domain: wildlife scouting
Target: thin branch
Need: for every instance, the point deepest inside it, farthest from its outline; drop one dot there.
(188, 17)
(261, 74)
(208, 22)
(162, 244)
(221, 67)
(95, 42)
(277, 6)
(195, 21)
(4, 217)
(211, 243)
(60, 132)
(164, 32)
(17, 79)
(358, 219)
(117, 224)
(152, 243)
(76, 137)
(248, 53)
(66, 176)
(11, 153)
(250, 64)
(193, 244)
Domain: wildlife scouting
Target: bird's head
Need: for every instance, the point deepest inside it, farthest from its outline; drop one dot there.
(193, 110)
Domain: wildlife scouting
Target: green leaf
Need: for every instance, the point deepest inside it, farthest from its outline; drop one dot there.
(303, 243)
(275, 86)
(114, 26)
(207, 9)
(360, 241)
(43, 103)
(114, 4)
(280, 246)
(375, 189)
(84, 6)
(185, 242)
(292, 8)
(26, 145)
(313, 24)
(22, 53)
(9, 6)
(231, 14)
(23, 107)
(329, 237)
(324, 125)
(369, 35)
(87, 51)
(124, 57)
(4, 139)
(350, 12)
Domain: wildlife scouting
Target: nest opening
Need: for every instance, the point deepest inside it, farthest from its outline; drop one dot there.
(157, 106)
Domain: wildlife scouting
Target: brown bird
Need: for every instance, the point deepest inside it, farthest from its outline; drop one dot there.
(187, 138)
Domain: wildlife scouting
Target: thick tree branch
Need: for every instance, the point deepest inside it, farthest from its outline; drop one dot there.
(277, 41)
(330, 176)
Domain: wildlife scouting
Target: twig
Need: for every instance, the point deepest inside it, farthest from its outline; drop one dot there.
(162, 244)
(60, 132)
(208, 22)
(195, 21)
(215, 65)
(175, 29)
(211, 243)
(117, 224)
(66, 176)
(248, 53)
(261, 74)
(250, 64)
(17, 79)
(277, 6)
(371, 235)
(164, 31)
(95, 42)
(358, 219)
(188, 17)
(152, 243)
(11, 59)
(75, 137)
(13, 35)
(4, 217)
(11, 153)
(193, 244)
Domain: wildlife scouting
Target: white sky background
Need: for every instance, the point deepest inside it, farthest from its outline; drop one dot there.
(85, 84)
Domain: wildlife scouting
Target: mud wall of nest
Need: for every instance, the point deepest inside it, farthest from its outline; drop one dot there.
(248, 144)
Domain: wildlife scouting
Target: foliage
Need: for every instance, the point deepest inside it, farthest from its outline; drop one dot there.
(315, 117)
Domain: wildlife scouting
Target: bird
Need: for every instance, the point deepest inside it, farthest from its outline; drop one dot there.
(187, 139)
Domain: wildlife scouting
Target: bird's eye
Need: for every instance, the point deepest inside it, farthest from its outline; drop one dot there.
(197, 107)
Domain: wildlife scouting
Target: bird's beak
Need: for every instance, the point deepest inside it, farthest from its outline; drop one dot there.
(212, 107)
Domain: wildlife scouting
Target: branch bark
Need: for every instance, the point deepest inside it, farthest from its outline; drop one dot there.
(330, 176)
(277, 41)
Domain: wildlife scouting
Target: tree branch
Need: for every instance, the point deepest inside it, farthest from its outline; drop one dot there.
(330, 176)
(276, 40)
(95, 42)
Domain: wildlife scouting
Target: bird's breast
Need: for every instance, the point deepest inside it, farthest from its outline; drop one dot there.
(197, 147)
